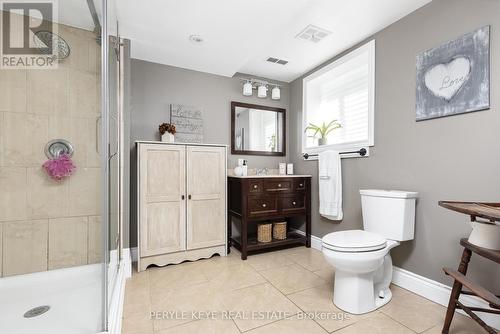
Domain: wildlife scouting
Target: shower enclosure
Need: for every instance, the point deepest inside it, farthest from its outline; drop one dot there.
(60, 227)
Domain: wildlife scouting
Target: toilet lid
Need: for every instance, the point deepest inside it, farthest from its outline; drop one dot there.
(354, 241)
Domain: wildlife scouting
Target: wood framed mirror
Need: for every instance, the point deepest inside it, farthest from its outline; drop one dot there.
(257, 130)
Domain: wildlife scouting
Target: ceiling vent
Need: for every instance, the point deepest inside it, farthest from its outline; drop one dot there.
(313, 33)
(277, 61)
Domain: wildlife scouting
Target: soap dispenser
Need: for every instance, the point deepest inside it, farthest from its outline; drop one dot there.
(245, 168)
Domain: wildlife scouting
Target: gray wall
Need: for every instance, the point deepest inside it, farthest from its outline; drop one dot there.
(448, 158)
(155, 86)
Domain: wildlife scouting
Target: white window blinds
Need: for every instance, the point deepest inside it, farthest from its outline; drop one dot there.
(342, 91)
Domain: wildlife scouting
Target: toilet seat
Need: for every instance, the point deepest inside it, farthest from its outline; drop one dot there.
(354, 241)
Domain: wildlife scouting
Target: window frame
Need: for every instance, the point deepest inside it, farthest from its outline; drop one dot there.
(349, 146)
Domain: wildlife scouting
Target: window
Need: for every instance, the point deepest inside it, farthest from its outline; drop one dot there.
(341, 91)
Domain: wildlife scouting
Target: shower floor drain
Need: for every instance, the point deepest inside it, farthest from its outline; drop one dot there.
(36, 311)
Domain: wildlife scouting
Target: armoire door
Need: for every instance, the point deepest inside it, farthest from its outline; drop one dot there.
(206, 196)
(162, 199)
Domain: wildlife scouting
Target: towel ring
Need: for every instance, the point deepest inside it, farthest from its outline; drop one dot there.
(56, 147)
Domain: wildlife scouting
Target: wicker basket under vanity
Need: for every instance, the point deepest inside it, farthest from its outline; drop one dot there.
(264, 232)
(279, 230)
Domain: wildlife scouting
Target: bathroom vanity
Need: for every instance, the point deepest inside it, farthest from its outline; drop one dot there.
(254, 199)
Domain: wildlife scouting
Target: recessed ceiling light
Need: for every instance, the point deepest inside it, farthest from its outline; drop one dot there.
(195, 38)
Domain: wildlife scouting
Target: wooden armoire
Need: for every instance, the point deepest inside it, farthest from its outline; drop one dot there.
(181, 202)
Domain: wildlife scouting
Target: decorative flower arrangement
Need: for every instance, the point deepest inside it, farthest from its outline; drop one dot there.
(167, 127)
(59, 168)
(167, 132)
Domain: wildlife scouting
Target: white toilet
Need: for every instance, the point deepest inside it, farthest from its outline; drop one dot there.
(363, 265)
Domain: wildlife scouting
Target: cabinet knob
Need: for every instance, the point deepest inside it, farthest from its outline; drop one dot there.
(294, 203)
(189, 196)
(279, 185)
(264, 205)
(182, 197)
(301, 185)
(255, 186)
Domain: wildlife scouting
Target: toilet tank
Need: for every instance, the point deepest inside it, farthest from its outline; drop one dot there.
(389, 213)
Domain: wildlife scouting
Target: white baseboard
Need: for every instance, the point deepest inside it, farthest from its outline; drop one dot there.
(439, 293)
(133, 254)
(427, 288)
(315, 241)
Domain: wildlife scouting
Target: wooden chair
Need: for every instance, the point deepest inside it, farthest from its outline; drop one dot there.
(490, 211)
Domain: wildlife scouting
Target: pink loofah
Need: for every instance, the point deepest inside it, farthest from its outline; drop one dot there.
(59, 168)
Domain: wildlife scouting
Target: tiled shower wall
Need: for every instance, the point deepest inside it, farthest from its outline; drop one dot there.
(46, 224)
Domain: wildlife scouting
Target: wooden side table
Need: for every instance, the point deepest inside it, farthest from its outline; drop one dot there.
(489, 211)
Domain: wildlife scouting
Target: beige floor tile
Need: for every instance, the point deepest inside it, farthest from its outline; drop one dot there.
(268, 261)
(212, 267)
(413, 311)
(137, 324)
(317, 302)
(292, 278)
(236, 277)
(137, 295)
(258, 305)
(175, 307)
(308, 258)
(328, 274)
(377, 324)
(292, 325)
(206, 326)
(460, 325)
(174, 277)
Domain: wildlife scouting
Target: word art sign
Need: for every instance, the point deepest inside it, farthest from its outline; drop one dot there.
(454, 78)
(188, 123)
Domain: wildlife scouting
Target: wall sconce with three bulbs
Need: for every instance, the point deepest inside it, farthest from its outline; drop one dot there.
(261, 87)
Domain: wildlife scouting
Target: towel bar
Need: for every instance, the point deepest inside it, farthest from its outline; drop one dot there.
(361, 152)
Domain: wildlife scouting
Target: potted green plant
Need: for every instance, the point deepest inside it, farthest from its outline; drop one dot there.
(323, 130)
(167, 132)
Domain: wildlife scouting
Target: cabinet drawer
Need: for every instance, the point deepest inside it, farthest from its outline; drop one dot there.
(295, 203)
(299, 184)
(278, 185)
(254, 186)
(262, 205)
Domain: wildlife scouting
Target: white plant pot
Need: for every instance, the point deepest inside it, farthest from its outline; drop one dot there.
(167, 137)
(322, 141)
(485, 235)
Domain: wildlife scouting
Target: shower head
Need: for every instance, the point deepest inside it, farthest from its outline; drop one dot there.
(57, 46)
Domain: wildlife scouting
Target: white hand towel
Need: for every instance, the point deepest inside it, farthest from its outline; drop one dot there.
(330, 185)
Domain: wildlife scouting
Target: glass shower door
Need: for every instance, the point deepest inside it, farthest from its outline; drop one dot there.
(114, 162)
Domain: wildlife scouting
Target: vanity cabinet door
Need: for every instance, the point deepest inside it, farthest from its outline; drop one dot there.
(161, 199)
(293, 204)
(206, 225)
(262, 205)
(278, 185)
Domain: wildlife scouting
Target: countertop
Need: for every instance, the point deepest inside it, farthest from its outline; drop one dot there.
(268, 176)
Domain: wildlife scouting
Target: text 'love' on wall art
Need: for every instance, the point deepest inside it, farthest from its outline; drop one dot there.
(454, 78)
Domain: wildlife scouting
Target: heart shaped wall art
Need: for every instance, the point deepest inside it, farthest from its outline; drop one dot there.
(445, 80)
(454, 78)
